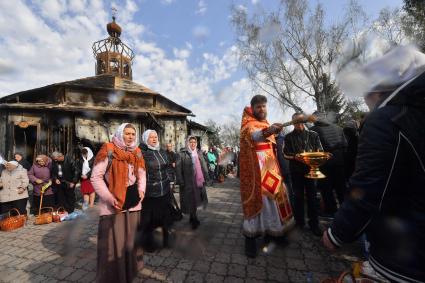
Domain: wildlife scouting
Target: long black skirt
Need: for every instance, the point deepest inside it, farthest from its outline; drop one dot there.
(156, 212)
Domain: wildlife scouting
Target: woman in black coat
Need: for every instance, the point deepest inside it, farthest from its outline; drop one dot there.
(192, 174)
(156, 206)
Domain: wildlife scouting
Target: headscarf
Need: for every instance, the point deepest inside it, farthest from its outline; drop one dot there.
(145, 138)
(118, 139)
(199, 175)
(43, 157)
(122, 157)
(14, 163)
(86, 165)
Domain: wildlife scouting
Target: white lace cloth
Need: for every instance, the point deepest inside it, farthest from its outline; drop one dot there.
(267, 222)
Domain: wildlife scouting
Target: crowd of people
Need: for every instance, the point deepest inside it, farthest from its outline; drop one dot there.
(364, 192)
(134, 183)
(51, 180)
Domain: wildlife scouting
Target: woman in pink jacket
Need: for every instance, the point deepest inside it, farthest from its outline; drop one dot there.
(119, 178)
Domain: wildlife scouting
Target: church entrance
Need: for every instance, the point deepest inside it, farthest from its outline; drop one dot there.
(25, 140)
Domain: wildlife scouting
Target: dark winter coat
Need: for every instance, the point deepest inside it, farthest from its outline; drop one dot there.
(298, 142)
(352, 137)
(387, 199)
(190, 196)
(158, 171)
(70, 172)
(333, 140)
(25, 164)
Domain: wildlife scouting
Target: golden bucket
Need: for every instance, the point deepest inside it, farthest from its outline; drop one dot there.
(314, 160)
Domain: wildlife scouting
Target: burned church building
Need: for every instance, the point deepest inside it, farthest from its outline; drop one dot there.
(85, 112)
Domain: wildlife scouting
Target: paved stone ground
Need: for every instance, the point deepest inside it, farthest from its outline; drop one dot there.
(66, 252)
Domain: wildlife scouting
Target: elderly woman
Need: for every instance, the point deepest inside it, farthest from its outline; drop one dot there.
(84, 168)
(156, 210)
(119, 178)
(192, 173)
(39, 175)
(13, 188)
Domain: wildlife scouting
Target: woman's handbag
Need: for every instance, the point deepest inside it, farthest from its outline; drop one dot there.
(132, 197)
(44, 218)
(176, 213)
(56, 215)
(13, 222)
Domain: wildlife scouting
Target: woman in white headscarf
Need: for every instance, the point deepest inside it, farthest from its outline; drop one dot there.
(85, 165)
(192, 174)
(13, 188)
(156, 210)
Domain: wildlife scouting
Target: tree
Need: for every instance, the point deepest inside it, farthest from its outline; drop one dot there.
(230, 133)
(389, 26)
(414, 21)
(214, 138)
(291, 54)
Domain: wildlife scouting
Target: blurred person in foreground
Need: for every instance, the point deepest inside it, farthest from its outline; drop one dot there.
(265, 202)
(387, 190)
(119, 178)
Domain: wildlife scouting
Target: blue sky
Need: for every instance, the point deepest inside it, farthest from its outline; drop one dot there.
(184, 48)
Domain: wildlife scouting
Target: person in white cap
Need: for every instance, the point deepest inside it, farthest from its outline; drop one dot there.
(387, 190)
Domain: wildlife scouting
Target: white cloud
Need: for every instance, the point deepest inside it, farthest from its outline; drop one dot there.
(242, 8)
(38, 50)
(52, 9)
(202, 8)
(77, 6)
(189, 45)
(255, 2)
(181, 53)
(167, 2)
(200, 32)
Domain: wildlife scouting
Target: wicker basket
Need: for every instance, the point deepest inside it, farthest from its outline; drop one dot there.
(13, 222)
(56, 217)
(44, 218)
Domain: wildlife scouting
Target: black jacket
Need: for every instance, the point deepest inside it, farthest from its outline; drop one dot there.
(157, 171)
(25, 164)
(171, 155)
(352, 137)
(333, 141)
(387, 195)
(69, 170)
(298, 142)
